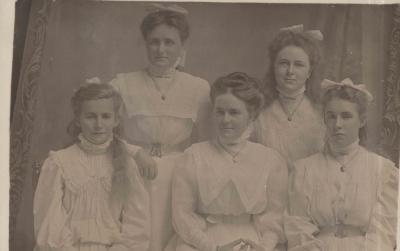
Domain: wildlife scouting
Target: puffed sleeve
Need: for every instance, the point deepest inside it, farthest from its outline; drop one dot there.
(135, 216)
(298, 224)
(202, 122)
(270, 222)
(188, 224)
(50, 217)
(381, 234)
(132, 149)
(116, 82)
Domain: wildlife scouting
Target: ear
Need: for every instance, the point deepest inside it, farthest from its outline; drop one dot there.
(310, 72)
(253, 115)
(363, 121)
(77, 122)
(117, 121)
(324, 117)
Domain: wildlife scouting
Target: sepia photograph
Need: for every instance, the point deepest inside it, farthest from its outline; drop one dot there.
(204, 126)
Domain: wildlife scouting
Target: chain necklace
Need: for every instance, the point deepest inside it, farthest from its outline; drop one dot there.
(343, 164)
(232, 153)
(163, 94)
(290, 114)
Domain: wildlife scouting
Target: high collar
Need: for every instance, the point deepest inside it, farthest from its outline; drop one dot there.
(286, 95)
(91, 148)
(337, 151)
(159, 72)
(289, 102)
(236, 145)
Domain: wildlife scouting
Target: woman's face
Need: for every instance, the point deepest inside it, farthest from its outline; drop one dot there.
(231, 116)
(97, 120)
(292, 68)
(164, 46)
(343, 121)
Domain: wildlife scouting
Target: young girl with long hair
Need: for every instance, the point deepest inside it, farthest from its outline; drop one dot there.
(90, 195)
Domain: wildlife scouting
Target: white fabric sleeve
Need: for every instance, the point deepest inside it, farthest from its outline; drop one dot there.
(119, 85)
(132, 149)
(270, 222)
(188, 224)
(298, 225)
(381, 234)
(50, 217)
(135, 229)
(202, 123)
(116, 83)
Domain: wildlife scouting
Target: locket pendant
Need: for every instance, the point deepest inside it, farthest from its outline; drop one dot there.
(234, 159)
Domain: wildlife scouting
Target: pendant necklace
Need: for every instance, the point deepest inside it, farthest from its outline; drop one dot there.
(290, 114)
(343, 165)
(156, 86)
(233, 154)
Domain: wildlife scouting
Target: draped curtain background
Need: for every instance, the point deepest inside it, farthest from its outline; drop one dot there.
(69, 41)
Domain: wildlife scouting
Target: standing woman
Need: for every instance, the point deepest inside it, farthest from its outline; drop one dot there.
(291, 122)
(343, 198)
(165, 108)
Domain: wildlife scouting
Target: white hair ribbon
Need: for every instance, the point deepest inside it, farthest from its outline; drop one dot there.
(155, 7)
(299, 28)
(94, 80)
(329, 84)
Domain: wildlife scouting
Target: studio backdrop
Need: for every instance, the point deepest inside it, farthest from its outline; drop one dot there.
(69, 41)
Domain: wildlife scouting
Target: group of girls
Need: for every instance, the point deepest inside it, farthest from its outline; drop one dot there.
(236, 167)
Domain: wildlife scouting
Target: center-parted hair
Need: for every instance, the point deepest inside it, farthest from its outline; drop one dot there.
(243, 87)
(348, 94)
(121, 161)
(310, 46)
(354, 96)
(167, 17)
(93, 92)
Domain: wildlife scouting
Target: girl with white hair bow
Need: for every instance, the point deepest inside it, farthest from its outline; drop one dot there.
(344, 197)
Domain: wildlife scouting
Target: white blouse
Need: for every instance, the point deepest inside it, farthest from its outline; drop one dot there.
(168, 121)
(210, 183)
(299, 138)
(73, 207)
(360, 199)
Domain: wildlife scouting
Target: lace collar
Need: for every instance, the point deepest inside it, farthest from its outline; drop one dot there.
(295, 95)
(234, 147)
(91, 148)
(342, 151)
(157, 72)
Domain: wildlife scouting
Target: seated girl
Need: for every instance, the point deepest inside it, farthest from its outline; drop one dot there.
(90, 195)
(345, 197)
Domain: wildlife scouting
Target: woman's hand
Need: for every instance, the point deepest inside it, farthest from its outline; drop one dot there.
(254, 246)
(146, 164)
(231, 245)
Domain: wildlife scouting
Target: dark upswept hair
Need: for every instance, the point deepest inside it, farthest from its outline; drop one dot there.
(354, 96)
(121, 161)
(243, 87)
(167, 17)
(310, 46)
